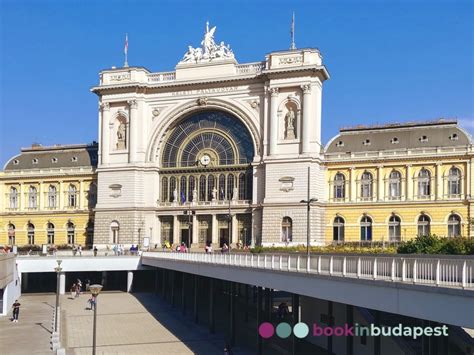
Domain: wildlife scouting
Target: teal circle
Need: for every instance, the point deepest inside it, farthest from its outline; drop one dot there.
(301, 330)
(283, 330)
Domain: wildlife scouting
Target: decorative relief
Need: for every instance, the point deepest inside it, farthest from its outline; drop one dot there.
(273, 91)
(120, 77)
(306, 88)
(116, 190)
(254, 104)
(290, 60)
(286, 183)
(155, 112)
(133, 104)
(104, 106)
(202, 101)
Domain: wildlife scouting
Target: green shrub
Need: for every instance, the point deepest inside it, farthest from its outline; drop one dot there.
(433, 244)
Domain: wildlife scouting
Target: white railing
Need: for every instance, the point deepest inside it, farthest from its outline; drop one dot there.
(250, 68)
(447, 272)
(161, 77)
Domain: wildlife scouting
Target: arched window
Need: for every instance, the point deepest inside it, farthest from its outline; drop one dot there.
(202, 188)
(242, 186)
(221, 187)
(52, 196)
(394, 185)
(230, 186)
(192, 187)
(72, 196)
(424, 225)
(210, 186)
(338, 229)
(32, 197)
(164, 189)
(50, 233)
(183, 189)
(286, 230)
(366, 183)
(424, 183)
(339, 186)
(172, 189)
(394, 228)
(366, 229)
(13, 198)
(70, 232)
(11, 234)
(115, 229)
(30, 229)
(454, 182)
(454, 226)
(92, 195)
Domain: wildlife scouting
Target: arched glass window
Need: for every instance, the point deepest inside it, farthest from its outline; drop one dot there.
(71, 234)
(339, 186)
(164, 189)
(366, 183)
(454, 226)
(210, 187)
(52, 196)
(394, 185)
(366, 229)
(183, 189)
(72, 196)
(30, 229)
(13, 197)
(192, 187)
(454, 182)
(11, 234)
(202, 188)
(424, 183)
(221, 187)
(249, 176)
(242, 186)
(394, 228)
(286, 230)
(424, 225)
(32, 197)
(172, 189)
(50, 233)
(338, 229)
(230, 186)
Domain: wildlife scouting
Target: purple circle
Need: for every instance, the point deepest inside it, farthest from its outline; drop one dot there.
(266, 330)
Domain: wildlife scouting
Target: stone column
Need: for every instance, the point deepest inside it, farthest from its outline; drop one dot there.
(133, 127)
(235, 229)
(352, 186)
(439, 182)
(105, 143)
(60, 196)
(195, 230)
(380, 183)
(129, 281)
(62, 283)
(215, 230)
(305, 148)
(273, 120)
(176, 236)
(409, 184)
(82, 196)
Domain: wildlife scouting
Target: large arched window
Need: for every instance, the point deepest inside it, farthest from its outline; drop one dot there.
(30, 230)
(50, 233)
(454, 226)
(221, 187)
(52, 196)
(424, 183)
(173, 190)
(338, 229)
(366, 184)
(230, 186)
(394, 229)
(286, 230)
(339, 187)
(210, 187)
(394, 185)
(11, 234)
(366, 229)
(13, 198)
(71, 233)
(424, 225)
(72, 196)
(164, 189)
(454, 182)
(202, 188)
(192, 187)
(32, 197)
(242, 186)
(183, 189)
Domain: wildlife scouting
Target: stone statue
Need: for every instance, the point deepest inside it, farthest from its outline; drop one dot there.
(208, 43)
(121, 136)
(175, 195)
(189, 55)
(290, 120)
(195, 195)
(214, 193)
(235, 194)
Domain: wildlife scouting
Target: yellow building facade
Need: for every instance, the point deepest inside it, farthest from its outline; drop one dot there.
(48, 195)
(394, 182)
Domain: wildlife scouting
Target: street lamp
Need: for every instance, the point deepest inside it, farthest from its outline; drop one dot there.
(308, 202)
(58, 270)
(95, 290)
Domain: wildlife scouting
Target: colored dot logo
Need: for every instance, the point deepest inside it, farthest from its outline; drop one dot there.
(283, 330)
(266, 330)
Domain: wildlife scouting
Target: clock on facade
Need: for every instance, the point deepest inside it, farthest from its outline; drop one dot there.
(205, 160)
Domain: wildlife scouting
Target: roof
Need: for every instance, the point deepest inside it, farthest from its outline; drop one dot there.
(409, 135)
(55, 157)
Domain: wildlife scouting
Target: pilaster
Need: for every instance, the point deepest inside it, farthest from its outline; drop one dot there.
(273, 119)
(305, 147)
(105, 144)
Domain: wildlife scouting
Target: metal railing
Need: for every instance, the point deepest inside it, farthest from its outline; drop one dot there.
(445, 272)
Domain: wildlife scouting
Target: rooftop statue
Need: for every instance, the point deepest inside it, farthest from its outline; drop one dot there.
(209, 50)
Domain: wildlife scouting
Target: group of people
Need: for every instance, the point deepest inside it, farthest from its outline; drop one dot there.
(76, 288)
(76, 250)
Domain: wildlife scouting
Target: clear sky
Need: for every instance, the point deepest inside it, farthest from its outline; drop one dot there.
(389, 60)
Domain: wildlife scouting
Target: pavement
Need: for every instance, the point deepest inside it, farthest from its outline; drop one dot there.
(32, 333)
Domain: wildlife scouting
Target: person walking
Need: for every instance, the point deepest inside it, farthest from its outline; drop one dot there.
(73, 290)
(79, 249)
(95, 251)
(78, 287)
(16, 311)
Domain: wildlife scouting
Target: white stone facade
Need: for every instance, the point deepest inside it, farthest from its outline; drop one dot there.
(273, 109)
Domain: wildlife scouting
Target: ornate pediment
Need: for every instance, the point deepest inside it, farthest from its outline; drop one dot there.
(209, 50)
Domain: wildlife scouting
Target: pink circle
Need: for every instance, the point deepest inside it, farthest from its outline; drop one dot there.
(266, 330)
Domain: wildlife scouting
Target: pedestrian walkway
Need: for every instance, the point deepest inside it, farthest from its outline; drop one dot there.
(32, 334)
(134, 324)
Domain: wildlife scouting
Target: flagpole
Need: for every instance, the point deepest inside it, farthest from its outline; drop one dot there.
(293, 46)
(126, 51)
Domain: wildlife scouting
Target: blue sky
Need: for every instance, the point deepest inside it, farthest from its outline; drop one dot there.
(389, 60)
